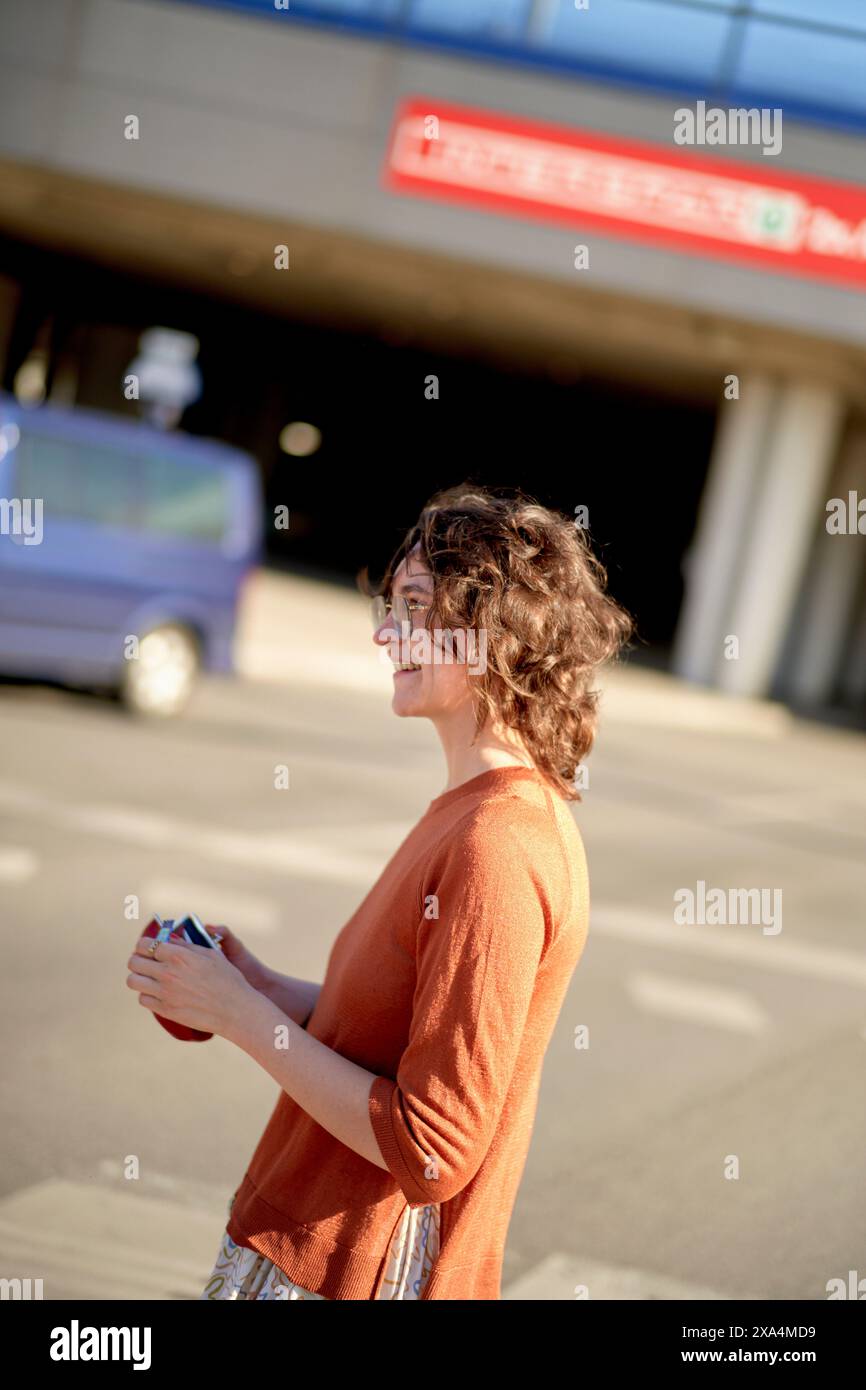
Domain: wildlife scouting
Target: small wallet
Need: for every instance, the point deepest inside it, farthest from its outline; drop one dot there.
(189, 929)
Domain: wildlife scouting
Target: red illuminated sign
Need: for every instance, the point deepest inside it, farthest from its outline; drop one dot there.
(722, 208)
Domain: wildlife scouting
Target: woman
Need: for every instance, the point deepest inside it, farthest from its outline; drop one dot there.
(391, 1163)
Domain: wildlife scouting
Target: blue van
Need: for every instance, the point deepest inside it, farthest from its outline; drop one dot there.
(122, 552)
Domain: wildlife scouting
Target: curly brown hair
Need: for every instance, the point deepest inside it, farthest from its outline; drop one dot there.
(525, 574)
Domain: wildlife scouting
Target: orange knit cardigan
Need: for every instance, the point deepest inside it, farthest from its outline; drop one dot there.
(447, 983)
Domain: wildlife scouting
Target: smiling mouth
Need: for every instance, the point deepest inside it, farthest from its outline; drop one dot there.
(405, 666)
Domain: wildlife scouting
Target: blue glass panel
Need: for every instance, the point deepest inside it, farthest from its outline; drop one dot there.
(354, 9)
(373, 11)
(845, 14)
(634, 36)
(503, 20)
(793, 54)
(802, 65)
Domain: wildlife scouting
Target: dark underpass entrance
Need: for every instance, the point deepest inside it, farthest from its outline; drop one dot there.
(396, 421)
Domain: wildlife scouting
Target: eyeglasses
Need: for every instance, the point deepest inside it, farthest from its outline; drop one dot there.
(402, 610)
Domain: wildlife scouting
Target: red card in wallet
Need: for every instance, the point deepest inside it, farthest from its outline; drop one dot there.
(158, 928)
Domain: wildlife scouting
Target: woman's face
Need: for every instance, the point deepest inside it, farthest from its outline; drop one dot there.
(430, 688)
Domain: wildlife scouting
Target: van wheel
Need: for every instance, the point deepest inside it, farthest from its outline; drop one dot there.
(161, 679)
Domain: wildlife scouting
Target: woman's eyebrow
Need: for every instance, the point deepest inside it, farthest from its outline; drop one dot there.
(421, 584)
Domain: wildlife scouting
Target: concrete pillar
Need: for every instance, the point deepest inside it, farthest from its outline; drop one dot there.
(837, 566)
(853, 675)
(713, 559)
(789, 506)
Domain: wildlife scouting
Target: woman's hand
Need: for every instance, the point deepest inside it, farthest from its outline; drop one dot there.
(254, 971)
(193, 985)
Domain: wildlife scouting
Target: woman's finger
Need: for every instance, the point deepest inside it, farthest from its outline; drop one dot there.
(140, 982)
(144, 943)
(165, 950)
(143, 948)
(146, 965)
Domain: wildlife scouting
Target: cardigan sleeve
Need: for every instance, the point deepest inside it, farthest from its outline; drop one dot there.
(476, 966)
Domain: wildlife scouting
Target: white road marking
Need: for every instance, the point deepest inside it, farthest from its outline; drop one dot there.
(87, 1240)
(17, 865)
(559, 1276)
(696, 1002)
(247, 912)
(759, 952)
(295, 856)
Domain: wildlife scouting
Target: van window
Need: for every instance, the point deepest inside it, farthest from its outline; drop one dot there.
(86, 482)
(185, 499)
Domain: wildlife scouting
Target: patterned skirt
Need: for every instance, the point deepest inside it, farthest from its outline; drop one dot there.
(414, 1247)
